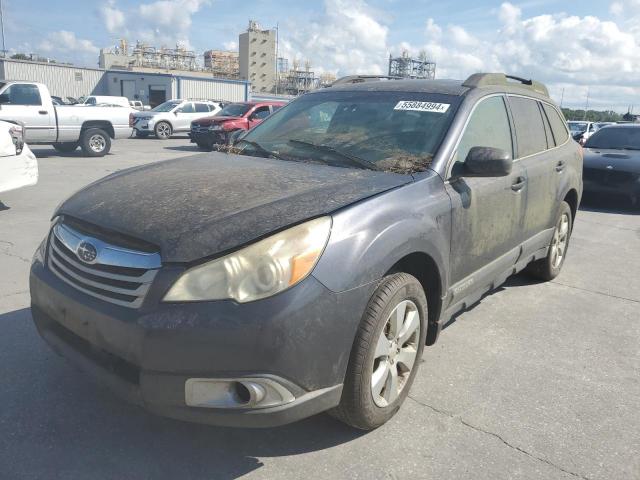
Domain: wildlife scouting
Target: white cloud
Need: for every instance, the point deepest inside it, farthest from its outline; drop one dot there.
(113, 17)
(161, 22)
(64, 41)
(230, 45)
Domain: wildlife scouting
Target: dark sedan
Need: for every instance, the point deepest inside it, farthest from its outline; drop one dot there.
(612, 162)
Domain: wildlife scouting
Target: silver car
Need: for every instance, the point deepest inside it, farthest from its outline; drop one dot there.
(172, 116)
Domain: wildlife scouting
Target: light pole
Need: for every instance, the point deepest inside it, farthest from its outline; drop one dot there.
(4, 50)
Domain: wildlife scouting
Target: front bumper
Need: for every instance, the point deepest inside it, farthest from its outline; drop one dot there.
(208, 137)
(301, 337)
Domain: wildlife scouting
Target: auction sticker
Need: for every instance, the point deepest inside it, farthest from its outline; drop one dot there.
(422, 106)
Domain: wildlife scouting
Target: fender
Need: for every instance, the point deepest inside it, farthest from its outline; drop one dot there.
(369, 237)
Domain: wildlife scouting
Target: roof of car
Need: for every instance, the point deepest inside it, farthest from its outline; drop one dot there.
(450, 87)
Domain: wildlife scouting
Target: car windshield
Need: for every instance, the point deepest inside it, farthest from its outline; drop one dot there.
(576, 127)
(166, 106)
(234, 110)
(391, 131)
(619, 138)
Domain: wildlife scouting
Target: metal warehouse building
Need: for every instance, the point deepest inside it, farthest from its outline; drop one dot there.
(150, 87)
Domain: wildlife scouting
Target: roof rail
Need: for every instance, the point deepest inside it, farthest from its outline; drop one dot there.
(362, 79)
(497, 79)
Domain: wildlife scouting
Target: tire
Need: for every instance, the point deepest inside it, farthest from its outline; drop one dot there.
(549, 267)
(141, 134)
(373, 361)
(163, 130)
(95, 142)
(66, 147)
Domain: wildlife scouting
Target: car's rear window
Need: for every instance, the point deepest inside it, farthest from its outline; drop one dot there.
(395, 131)
(529, 126)
(558, 127)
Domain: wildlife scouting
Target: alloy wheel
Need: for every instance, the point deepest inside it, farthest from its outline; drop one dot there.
(97, 143)
(395, 353)
(559, 241)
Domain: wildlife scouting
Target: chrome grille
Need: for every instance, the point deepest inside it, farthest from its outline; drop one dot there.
(115, 274)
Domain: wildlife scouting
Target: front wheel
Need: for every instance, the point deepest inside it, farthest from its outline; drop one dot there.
(386, 353)
(163, 130)
(95, 142)
(549, 267)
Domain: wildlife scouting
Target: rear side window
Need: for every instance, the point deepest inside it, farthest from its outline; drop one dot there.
(187, 108)
(557, 124)
(21, 94)
(488, 127)
(529, 127)
(202, 107)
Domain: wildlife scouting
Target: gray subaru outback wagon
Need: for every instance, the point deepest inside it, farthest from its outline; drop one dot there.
(306, 270)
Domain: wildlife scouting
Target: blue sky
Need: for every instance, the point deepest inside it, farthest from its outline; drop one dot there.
(574, 46)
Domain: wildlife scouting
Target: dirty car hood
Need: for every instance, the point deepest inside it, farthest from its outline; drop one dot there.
(207, 204)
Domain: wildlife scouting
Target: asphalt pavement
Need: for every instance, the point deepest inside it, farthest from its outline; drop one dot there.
(537, 381)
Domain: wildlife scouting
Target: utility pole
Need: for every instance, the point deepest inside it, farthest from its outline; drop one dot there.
(586, 107)
(4, 50)
(277, 50)
(562, 98)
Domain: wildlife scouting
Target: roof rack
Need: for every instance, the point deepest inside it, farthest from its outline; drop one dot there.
(497, 79)
(362, 79)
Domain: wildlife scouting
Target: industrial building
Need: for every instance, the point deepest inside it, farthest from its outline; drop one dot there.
(148, 57)
(407, 67)
(257, 57)
(150, 87)
(222, 63)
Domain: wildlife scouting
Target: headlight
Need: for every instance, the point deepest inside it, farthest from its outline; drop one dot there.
(17, 135)
(260, 270)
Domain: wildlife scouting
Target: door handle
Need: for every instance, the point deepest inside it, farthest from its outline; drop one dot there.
(560, 166)
(519, 185)
(42, 112)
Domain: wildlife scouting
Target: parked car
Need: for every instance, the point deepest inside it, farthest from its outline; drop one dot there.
(64, 127)
(235, 117)
(612, 162)
(581, 131)
(105, 100)
(170, 117)
(18, 165)
(307, 272)
(138, 105)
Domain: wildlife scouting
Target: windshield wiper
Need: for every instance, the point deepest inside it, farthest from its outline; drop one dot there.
(360, 162)
(260, 148)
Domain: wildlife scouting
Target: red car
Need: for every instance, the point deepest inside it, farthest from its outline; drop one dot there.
(219, 129)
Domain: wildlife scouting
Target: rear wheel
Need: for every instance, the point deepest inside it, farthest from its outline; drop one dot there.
(65, 147)
(386, 353)
(140, 134)
(95, 142)
(163, 130)
(549, 267)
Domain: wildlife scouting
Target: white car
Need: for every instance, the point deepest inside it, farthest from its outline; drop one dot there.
(18, 165)
(172, 116)
(585, 128)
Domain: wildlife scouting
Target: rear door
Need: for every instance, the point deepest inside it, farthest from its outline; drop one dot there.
(23, 102)
(486, 212)
(538, 155)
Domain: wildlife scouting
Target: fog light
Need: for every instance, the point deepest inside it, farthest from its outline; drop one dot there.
(235, 393)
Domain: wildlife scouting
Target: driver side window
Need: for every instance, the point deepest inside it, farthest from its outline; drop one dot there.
(488, 127)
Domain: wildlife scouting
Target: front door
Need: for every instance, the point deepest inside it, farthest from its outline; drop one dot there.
(23, 102)
(487, 212)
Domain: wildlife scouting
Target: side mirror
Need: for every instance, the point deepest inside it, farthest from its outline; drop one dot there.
(487, 162)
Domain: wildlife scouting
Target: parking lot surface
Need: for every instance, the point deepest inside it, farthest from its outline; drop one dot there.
(538, 380)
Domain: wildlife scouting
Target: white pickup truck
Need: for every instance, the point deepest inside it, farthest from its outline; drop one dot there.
(64, 127)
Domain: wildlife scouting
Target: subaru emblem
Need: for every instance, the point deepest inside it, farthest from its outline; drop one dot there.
(87, 252)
